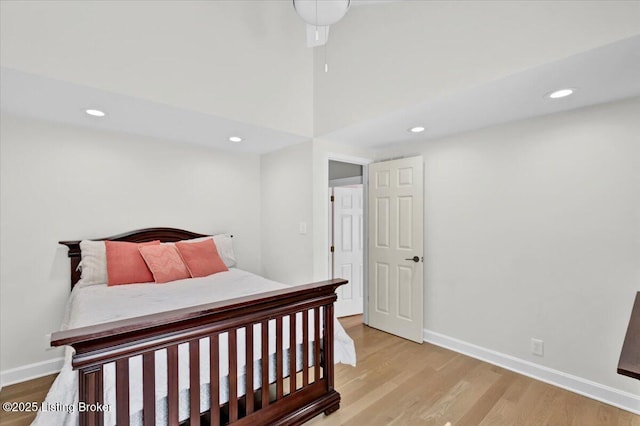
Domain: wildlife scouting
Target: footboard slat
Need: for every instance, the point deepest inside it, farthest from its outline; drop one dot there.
(316, 344)
(233, 376)
(172, 385)
(279, 373)
(264, 345)
(305, 348)
(194, 382)
(249, 368)
(293, 331)
(214, 378)
(149, 388)
(122, 391)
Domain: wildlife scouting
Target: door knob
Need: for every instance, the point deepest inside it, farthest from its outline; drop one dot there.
(414, 258)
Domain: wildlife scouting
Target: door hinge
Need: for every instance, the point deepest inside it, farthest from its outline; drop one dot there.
(333, 249)
(333, 198)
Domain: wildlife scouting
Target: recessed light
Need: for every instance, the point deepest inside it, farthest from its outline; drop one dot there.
(95, 112)
(235, 139)
(417, 129)
(562, 93)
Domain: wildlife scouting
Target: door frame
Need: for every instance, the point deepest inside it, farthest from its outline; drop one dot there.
(364, 162)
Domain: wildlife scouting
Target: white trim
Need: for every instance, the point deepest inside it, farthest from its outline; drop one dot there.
(30, 371)
(365, 242)
(348, 159)
(616, 397)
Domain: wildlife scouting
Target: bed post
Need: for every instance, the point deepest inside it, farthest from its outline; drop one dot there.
(328, 355)
(90, 386)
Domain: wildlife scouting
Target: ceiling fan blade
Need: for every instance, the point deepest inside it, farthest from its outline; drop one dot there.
(322, 35)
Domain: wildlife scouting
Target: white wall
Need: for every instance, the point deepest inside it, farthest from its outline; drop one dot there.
(286, 177)
(532, 229)
(392, 55)
(234, 59)
(61, 183)
(295, 182)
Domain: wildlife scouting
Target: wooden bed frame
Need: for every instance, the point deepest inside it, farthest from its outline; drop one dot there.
(289, 400)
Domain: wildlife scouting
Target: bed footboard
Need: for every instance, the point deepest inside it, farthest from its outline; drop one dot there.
(294, 387)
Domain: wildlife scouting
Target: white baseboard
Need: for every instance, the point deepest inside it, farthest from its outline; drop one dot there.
(31, 371)
(618, 398)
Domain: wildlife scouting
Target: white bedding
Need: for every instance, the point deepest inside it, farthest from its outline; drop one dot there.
(95, 304)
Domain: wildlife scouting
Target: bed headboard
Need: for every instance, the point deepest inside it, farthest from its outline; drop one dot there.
(165, 235)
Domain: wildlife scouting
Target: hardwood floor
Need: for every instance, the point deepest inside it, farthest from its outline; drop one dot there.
(398, 382)
(33, 390)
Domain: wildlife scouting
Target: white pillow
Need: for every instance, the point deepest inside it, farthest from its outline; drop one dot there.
(224, 243)
(93, 263)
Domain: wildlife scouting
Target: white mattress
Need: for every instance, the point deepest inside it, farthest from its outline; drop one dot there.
(95, 304)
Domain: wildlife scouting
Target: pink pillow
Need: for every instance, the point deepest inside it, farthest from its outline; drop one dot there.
(201, 258)
(124, 263)
(165, 263)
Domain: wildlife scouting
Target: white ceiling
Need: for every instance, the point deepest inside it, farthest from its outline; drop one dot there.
(599, 75)
(393, 56)
(46, 74)
(246, 61)
(54, 100)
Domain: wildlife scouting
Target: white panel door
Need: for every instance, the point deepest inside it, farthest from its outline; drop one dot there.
(348, 248)
(395, 247)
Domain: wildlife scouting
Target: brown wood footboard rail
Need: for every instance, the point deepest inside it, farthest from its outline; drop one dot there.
(296, 395)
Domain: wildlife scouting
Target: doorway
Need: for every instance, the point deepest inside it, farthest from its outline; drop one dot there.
(346, 235)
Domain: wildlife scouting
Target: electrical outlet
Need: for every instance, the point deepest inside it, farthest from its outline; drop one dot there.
(537, 347)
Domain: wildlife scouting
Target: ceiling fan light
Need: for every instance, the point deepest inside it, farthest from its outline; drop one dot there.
(321, 13)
